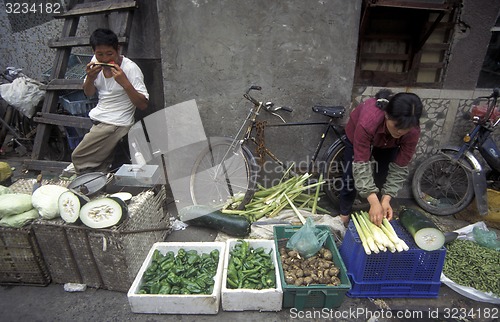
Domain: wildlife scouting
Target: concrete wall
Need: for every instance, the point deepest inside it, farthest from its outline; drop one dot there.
(23, 42)
(301, 52)
(472, 36)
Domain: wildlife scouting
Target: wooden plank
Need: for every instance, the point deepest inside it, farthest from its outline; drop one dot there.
(51, 98)
(387, 36)
(430, 5)
(90, 8)
(77, 42)
(63, 84)
(45, 165)
(64, 120)
(436, 47)
(383, 56)
(432, 65)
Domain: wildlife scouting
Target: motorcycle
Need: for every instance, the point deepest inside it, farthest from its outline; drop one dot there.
(447, 182)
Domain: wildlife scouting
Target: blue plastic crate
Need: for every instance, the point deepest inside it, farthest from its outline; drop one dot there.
(412, 266)
(77, 104)
(393, 289)
(74, 136)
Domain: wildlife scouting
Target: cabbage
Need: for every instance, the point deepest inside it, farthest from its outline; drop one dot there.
(4, 190)
(19, 220)
(14, 203)
(45, 200)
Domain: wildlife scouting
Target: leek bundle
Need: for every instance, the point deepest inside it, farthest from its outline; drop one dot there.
(268, 202)
(376, 239)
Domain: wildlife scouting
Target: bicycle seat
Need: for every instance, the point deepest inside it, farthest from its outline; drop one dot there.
(331, 111)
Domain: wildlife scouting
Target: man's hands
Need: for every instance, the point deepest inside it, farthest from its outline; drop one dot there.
(379, 209)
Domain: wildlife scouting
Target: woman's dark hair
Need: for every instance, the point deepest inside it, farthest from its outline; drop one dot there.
(404, 108)
(103, 37)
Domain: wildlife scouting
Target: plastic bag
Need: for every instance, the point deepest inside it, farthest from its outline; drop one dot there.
(308, 240)
(24, 94)
(486, 238)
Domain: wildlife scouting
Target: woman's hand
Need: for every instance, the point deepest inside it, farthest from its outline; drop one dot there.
(386, 205)
(376, 211)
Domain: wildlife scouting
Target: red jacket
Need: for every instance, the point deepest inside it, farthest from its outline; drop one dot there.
(366, 128)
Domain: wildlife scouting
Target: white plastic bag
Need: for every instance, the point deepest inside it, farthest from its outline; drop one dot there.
(466, 233)
(24, 94)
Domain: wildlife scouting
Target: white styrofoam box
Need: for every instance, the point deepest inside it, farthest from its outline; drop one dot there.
(248, 299)
(133, 175)
(178, 303)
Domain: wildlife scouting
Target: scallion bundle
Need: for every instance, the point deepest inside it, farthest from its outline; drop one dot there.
(376, 239)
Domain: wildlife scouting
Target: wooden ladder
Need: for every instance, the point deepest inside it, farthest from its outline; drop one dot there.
(48, 116)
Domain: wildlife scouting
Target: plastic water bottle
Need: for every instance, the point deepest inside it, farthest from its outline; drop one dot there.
(138, 157)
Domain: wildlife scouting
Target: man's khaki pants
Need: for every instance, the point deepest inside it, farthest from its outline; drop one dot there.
(96, 151)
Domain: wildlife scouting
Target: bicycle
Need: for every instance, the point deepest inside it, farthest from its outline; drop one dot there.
(446, 183)
(227, 167)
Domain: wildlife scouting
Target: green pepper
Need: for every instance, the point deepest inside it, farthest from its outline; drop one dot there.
(167, 265)
(155, 288)
(157, 255)
(165, 289)
(173, 279)
(191, 272)
(215, 255)
(192, 258)
(232, 284)
(193, 288)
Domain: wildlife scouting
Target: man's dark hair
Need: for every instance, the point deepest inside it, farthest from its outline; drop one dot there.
(104, 37)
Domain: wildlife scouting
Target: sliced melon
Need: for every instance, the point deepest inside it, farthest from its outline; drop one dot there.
(70, 203)
(426, 234)
(103, 212)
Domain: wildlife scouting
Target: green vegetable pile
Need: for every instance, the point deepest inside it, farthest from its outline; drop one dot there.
(250, 268)
(470, 264)
(186, 273)
(268, 202)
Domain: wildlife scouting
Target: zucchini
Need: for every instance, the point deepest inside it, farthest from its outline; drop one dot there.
(205, 216)
(426, 234)
(70, 203)
(103, 212)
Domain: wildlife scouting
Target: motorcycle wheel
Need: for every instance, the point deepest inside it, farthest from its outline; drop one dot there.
(442, 186)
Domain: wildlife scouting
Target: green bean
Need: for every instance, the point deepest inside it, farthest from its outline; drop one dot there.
(470, 264)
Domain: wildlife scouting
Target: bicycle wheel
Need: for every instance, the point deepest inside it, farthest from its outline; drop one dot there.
(222, 171)
(333, 171)
(442, 186)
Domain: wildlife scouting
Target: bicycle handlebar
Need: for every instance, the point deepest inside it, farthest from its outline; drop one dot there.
(269, 106)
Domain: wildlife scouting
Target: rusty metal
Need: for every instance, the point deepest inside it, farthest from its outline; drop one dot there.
(260, 149)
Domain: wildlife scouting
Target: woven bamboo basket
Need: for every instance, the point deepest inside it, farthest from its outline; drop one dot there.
(21, 261)
(104, 258)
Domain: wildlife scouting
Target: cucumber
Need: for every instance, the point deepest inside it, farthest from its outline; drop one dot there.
(205, 216)
(426, 234)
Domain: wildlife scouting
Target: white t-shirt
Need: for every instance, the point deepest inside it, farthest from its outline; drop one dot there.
(114, 106)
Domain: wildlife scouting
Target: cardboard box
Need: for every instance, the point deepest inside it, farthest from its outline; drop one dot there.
(178, 304)
(248, 299)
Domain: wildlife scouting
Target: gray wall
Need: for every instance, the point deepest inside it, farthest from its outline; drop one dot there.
(472, 36)
(301, 52)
